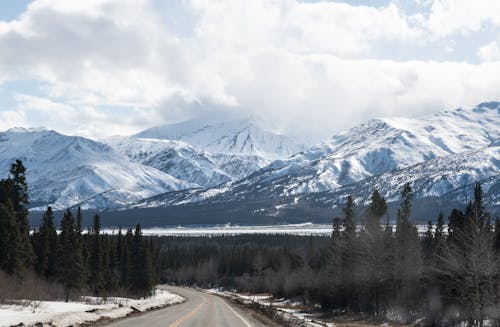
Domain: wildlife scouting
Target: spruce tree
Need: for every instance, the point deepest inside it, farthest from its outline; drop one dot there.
(141, 282)
(46, 246)
(10, 241)
(408, 257)
(333, 293)
(496, 243)
(79, 220)
(470, 259)
(96, 257)
(428, 243)
(349, 251)
(376, 209)
(372, 248)
(70, 257)
(19, 196)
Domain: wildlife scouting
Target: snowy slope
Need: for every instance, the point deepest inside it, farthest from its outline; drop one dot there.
(207, 153)
(176, 158)
(450, 178)
(383, 145)
(439, 154)
(238, 136)
(64, 171)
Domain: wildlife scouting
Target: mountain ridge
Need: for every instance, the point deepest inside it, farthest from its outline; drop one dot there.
(438, 154)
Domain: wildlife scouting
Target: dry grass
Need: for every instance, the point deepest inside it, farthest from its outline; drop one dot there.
(28, 287)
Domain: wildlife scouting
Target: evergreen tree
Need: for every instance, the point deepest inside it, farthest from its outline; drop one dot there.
(46, 246)
(19, 196)
(496, 243)
(408, 260)
(372, 261)
(428, 243)
(10, 241)
(348, 256)
(79, 220)
(141, 282)
(332, 295)
(376, 209)
(470, 259)
(70, 257)
(388, 267)
(95, 261)
(349, 218)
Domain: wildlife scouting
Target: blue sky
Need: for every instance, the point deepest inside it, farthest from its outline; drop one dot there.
(103, 67)
(12, 9)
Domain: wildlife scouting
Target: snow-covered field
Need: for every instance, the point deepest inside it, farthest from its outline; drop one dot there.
(89, 309)
(306, 229)
(293, 229)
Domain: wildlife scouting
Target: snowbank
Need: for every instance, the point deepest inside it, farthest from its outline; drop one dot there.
(73, 313)
(287, 310)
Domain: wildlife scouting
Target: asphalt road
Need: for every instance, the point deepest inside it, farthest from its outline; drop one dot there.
(200, 310)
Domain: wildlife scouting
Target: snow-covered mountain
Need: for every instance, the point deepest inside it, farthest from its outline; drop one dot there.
(176, 158)
(238, 137)
(451, 177)
(441, 155)
(382, 146)
(207, 154)
(438, 154)
(65, 170)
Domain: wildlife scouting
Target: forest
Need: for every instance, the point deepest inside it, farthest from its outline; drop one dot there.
(449, 274)
(67, 263)
(368, 266)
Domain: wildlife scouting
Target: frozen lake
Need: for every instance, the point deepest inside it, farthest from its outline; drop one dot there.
(305, 229)
(218, 230)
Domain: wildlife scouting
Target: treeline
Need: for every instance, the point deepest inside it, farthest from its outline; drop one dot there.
(84, 263)
(367, 266)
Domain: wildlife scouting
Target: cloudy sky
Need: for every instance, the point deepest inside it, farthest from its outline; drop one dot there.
(102, 67)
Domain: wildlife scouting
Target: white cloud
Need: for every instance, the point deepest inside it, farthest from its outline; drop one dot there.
(324, 27)
(462, 16)
(76, 120)
(12, 118)
(489, 52)
(305, 66)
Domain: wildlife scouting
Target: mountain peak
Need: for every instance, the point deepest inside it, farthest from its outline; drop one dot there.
(487, 106)
(17, 129)
(237, 136)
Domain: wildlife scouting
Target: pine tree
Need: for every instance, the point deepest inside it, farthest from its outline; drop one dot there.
(10, 241)
(388, 266)
(70, 257)
(428, 243)
(19, 196)
(376, 209)
(408, 260)
(79, 220)
(96, 256)
(496, 243)
(333, 297)
(469, 266)
(349, 218)
(46, 246)
(141, 282)
(349, 251)
(127, 261)
(372, 248)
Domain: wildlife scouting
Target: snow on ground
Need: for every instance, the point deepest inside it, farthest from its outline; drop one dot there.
(218, 230)
(89, 309)
(288, 310)
(305, 229)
